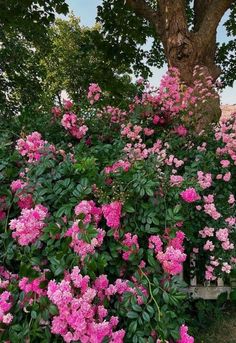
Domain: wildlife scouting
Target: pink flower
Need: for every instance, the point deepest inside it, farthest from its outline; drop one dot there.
(231, 199)
(67, 104)
(28, 227)
(207, 232)
(156, 119)
(227, 177)
(176, 180)
(204, 180)
(225, 163)
(209, 246)
(130, 242)
(226, 268)
(222, 234)
(5, 305)
(94, 93)
(190, 195)
(112, 214)
(184, 336)
(181, 130)
(33, 147)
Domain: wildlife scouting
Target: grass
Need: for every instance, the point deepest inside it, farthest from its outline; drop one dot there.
(222, 331)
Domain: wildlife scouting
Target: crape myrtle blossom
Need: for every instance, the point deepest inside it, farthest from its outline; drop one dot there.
(173, 256)
(112, 214)
(89, 215)
(28, 227)
(70, 122)
(94, 93)
(184, 336)
(130, 242)
(82, 315)
(5, 306)
(204, 180)
(34, 147)
(190, 195)
(20, 188)
(79, 239)
(118, 166)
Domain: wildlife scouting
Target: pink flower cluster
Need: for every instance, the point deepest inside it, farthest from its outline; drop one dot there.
(90, 215)
(172, 257)
(204, 180)
(210, 208)
(33, 147)
(130, 243)
(25, 199)
(172, 160)
(5, 305)
(117, 166)
(172, 98)
(70, 123)
(115, 114)
(94, 93)
(226, 133)
(112, 214)
(79, 240)
(181, 130)
(34, 286)
(176, 180)
(29, 225)
(82, 315)
(190, 195)
(184, 336)
(91, 212)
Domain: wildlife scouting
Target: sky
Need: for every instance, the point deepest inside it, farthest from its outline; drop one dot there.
(87, 10)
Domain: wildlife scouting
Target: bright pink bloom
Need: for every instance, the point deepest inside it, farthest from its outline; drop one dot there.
(33, 147)
(181, 130)
(5, 305)
(190, 195)
(130, 242)
(112, 214)
(184, 336)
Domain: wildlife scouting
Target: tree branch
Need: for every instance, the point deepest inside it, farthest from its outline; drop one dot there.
(142, 9)
(212, 17)
(199, 9)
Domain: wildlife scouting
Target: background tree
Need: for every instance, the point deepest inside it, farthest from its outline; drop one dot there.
(23, 38)
(76, 59)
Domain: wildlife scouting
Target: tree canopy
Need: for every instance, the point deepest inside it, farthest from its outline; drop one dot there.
(128, 25)
(77, 58)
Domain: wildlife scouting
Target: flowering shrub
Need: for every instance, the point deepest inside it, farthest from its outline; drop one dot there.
(97, 231)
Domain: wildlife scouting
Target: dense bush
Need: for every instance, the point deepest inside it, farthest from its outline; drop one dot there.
(96, 229)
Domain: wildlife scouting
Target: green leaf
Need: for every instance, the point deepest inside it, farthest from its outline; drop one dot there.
(132, 315)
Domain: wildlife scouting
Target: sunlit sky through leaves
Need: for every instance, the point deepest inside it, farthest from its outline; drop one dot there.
(87, 9)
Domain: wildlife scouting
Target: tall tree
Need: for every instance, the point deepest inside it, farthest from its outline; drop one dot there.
(184, 33)
(76, 59)
(23, 38)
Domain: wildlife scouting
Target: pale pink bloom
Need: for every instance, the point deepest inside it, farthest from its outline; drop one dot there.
(225, 163)
(227, 177)
(209, 246)
(226, 268)
(231, 199)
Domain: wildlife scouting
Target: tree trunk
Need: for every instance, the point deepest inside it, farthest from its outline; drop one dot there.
(185, 50)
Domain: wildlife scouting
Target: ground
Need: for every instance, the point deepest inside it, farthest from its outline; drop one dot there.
(222, 331)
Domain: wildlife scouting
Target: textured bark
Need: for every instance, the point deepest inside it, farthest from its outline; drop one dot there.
(185, 49)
